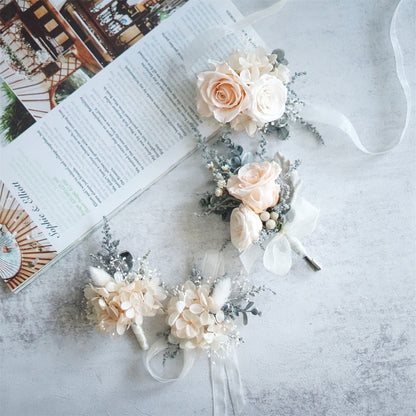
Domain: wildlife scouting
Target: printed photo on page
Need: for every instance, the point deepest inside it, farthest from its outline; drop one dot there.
(49, 48)
(23, 248)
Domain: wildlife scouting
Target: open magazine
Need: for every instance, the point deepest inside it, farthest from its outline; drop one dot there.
(96, 103)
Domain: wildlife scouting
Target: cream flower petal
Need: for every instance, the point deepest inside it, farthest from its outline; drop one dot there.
(130, 313)
(125, 305)
(219, 316)
(180, 305)
(120, 328)
(205, 318)
(196, 308)
(190, 331)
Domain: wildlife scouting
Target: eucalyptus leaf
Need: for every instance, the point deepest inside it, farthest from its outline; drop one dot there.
(282, 133)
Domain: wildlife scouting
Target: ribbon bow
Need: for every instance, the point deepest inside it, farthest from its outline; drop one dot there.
(277, 258)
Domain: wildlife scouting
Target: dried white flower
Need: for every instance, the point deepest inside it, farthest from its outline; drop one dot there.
(196, 318)
(252, 64)
(116, 303)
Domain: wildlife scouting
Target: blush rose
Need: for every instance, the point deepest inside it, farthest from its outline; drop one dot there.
(255, 185)
(221, 94)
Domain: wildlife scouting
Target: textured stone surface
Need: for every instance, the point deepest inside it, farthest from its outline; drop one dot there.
(338, 342)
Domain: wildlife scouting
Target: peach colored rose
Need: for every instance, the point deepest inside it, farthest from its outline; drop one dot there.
(221, 94)
(268, 99)
(245, 227)
(255, 185)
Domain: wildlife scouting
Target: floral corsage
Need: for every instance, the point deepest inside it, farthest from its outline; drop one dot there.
(261, 201)
(120, 295)
(251, 91)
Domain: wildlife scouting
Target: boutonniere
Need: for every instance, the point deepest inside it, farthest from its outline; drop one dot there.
(262, 202)
(122, 292)
(252, 91)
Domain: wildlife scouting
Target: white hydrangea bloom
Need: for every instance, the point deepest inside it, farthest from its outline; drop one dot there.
(196, 319)
(118, 304)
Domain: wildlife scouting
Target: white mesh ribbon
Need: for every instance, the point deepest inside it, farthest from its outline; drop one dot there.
(157, 348)
(331, 117)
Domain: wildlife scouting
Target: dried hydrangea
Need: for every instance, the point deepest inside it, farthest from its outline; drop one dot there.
(117, 303)
(196, 318)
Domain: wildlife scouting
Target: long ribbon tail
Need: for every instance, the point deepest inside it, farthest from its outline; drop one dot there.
(159, 346)
(319, 114)
(235, 386)
(226, 385)
(218, 388)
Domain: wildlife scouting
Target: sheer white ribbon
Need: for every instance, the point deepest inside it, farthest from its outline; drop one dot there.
(277, 258)
(160, 346)
(226, 382)
(224, 371)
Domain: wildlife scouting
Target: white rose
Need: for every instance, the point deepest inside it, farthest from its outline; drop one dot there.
(268, 99)
(245, 227)
(221, 94)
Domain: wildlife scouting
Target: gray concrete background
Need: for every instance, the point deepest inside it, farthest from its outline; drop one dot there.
(340, 342)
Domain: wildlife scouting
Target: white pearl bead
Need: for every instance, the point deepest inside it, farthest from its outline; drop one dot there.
(264, 216)
(274, 215)
(218, 192)
(271, 224)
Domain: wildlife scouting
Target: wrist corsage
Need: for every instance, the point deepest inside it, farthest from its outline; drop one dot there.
(202, 316)
(252, 91)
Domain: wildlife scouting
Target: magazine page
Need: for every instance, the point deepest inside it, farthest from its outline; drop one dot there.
(110, 139)
(48, 49)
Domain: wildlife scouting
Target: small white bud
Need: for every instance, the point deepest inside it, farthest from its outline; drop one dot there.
(274, 215)
(218, 192)
(271, 224)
